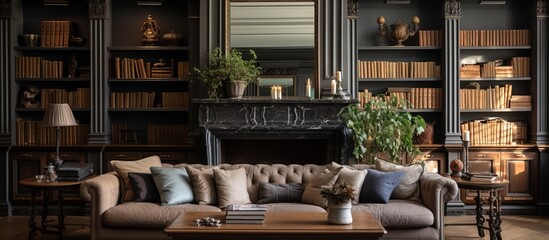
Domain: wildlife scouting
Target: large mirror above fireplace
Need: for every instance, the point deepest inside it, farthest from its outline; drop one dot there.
(281, 32)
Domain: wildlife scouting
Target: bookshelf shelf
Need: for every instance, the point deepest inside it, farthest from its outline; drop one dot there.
(496, 79)
(399, 79)
(497, 48)
(148, 48)
(148, 110)
(393, 48)
(43, 109)
(413, 110)
(27, 48)
(53, 80)
(141, 80)
(496, 110)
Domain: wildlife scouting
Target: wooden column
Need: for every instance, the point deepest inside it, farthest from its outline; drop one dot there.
(99, 65)
(352, 17)
(6, 111)
(452, 16)
(540, 132)
(193, 34)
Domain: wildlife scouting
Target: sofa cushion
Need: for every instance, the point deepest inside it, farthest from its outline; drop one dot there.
(149, 215)
(278, 192)
(122, 168)
(408, 188)
(173, 184)
(378, 186)
(203, 185)
(232, 187)
(293, 207)
(144, 188)
(354, 178)
(398, 213)
(311, 194)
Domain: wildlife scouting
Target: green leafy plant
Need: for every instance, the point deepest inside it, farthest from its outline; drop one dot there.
(382, 127)
(338, 193)
(227, 67)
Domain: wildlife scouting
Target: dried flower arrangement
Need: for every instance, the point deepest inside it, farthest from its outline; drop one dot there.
(338, 193)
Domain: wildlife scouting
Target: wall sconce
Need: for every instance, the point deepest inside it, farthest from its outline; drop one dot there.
(398, 1)
(491, 2)
(55, 2)
(149, 2)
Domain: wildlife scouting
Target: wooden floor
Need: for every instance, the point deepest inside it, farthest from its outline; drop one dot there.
(514, 227)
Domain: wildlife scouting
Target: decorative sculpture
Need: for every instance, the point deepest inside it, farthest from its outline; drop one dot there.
(399, 31)
(150, 31)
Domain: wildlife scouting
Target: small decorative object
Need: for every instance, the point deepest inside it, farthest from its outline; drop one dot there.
(172, 38)
(28, 97)
(77, 41)
(230, 70)
(400, 31)
(207, 221)
(73, 66)
(466, 139)
(340, 94)
(427, 136)
(58, 115)
(40, 178)
(51, 175)
(30, 39)
(150, 31)
(339, 198)
(456, 166)
(308, 90)
(276, 92)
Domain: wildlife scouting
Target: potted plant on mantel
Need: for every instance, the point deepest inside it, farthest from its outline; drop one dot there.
(229, 70)
(382, 128)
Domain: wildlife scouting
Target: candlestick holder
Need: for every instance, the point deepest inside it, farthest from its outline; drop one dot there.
(340, 94)
(466, 144)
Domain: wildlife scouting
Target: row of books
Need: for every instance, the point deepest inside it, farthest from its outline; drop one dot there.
(494, 131)
(245, 213)
(131, 68)
(505, 37)
(388, 69)
(147, 100)
(31, 132)
(520, 67)
(160, 134)
(55, 33)
(76, 99)
(494, 97)
(430, 38)
(419, 98)
(479, 177)
(37, 67)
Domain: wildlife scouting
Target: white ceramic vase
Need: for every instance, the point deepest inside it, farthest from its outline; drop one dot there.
(340, 213)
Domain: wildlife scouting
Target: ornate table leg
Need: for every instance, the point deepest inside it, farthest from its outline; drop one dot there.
(480, 215)
(497, 214)
(61, 216)
(32, 225)
(45, 210)
(493, 214)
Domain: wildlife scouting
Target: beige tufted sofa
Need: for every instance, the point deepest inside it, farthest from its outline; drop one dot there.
(111, 219)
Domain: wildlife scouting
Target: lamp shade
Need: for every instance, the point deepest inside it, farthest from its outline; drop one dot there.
(59, 115)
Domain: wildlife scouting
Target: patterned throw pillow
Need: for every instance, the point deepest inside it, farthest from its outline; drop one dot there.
(276, 193)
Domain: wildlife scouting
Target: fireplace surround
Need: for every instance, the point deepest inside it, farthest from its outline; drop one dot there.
(262, 130)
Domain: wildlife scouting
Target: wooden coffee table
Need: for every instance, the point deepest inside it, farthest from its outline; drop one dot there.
(278, 225)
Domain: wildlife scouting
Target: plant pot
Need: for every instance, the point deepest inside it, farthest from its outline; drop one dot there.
(428, 135)
(235, 89)
(340, 213)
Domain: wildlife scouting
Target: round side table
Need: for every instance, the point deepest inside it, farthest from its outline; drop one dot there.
(47, 187)
(493, 200)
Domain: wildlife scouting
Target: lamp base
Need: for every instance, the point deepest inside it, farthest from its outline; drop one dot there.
(57, 161)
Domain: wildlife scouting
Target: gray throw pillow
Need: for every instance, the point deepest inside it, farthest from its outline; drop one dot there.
(173, 184)
(378, 186)
(276, 192)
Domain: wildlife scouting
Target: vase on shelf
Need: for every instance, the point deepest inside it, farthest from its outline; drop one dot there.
(339, 213)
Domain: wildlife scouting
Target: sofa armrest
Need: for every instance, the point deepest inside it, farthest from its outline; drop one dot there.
(103, 193)
(436, 190)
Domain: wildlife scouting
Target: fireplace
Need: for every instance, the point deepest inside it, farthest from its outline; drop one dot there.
(300, 131)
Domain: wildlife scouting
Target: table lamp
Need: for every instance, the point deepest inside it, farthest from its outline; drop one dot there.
(58, 115)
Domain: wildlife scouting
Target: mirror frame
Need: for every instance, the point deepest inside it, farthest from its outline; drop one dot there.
(227, 34)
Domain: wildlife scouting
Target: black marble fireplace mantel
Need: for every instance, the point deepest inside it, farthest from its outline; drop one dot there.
(298, 123)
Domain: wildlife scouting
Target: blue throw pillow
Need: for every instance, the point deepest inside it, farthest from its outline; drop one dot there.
(378, 186)
(173, 184)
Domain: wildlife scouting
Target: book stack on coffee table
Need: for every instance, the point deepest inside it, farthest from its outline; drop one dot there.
(74, 171)
(246, 213)
(479, 176)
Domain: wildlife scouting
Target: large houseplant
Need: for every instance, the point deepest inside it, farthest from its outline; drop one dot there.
(382, 127)
(230, 70)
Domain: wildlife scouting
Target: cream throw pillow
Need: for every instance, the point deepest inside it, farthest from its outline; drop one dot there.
(408, 188)
(355, 178)
(122, 168)
(311, 194)
(232, 187)
(203, 183)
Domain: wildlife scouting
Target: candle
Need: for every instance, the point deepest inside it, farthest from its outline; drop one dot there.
(338, 76)
(333, 87)
(466, 136)
(279, 93)
(273, 92)
(308, 88)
